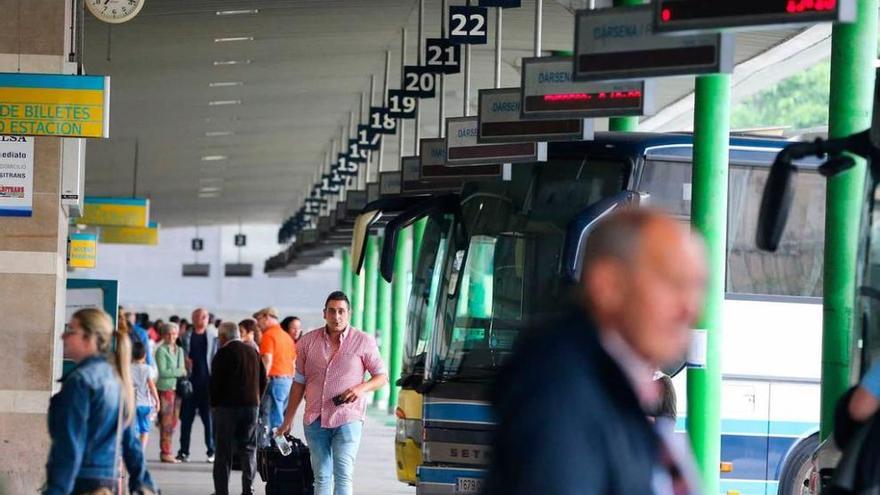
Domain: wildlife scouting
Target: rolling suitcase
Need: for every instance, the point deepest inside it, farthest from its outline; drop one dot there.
(287, 475)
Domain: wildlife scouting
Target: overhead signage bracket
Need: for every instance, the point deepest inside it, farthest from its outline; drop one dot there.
(500, 121)
(462, 147)
(619, 44)
(549, 91)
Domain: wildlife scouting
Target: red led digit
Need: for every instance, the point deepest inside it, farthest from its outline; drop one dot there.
(612, 95)
(798, 6)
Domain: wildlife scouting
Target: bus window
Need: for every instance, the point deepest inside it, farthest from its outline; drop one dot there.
(669, 184)
(869, 290)
(795, 269)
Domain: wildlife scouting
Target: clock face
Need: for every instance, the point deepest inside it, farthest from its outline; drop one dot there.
(115, 11)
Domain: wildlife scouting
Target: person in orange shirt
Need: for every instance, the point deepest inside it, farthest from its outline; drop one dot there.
(278, 352)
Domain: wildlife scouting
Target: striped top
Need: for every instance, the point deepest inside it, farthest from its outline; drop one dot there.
(327, 375)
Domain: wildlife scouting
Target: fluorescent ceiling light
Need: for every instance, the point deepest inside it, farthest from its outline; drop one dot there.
(218, 133)
(213, 158)
(207, 195)
(211, 180)
(233, 38)
(225, 84)
(238, 12)
(216, 103)
(209, 189)
(231, 62)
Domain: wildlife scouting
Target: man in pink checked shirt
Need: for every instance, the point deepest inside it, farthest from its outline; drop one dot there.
(331, 363)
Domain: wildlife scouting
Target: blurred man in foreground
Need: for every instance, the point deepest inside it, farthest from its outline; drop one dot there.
(572, 402)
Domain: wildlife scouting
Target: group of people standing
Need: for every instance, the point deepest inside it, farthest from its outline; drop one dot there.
(184, 370)
(235, 377)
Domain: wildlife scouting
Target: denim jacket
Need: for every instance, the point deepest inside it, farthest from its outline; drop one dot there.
(83, 419)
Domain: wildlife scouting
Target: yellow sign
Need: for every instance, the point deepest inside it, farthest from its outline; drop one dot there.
(82, 250)
(131, 235)
(117, 212)
(55, 105)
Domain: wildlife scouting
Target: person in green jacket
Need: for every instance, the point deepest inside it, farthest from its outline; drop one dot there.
(170, 361)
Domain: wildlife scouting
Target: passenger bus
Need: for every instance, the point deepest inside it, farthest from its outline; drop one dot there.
(777, 210)
(504, 253)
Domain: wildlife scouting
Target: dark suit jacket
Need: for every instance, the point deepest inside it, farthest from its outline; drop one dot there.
(569, 420)
(238, 376)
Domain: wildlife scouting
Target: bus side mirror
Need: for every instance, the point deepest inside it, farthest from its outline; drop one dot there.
(427, 207)
(359, 238)
(775, 202)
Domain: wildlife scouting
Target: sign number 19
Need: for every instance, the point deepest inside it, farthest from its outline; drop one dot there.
(400, 105)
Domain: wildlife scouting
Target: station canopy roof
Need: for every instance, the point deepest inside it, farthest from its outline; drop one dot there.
(302, 66)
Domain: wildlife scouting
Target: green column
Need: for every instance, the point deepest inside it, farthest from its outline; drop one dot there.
(624, 124)
(383, 335)
(357, 297)
(345, 285)
(709, 217)
(399, 296)
(370, 274)
(853, 51)
(418, 233)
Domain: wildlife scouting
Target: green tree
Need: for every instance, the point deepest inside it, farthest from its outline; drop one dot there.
(798, 102)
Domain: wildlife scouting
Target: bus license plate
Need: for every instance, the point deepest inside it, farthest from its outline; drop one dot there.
(469, 485)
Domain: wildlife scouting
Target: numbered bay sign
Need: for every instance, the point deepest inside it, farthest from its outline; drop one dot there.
(355, 153)
(328, 186)
(442, 56)
(381, 122)
(345, 167)
(332, 180)
(368, 139)
(468, 26)
(419, 81)
(401, 105)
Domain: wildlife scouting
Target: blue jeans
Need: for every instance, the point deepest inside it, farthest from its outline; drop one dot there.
(332, 453)
(278, 393)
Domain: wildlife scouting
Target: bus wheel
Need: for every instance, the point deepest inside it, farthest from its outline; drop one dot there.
(797, 466)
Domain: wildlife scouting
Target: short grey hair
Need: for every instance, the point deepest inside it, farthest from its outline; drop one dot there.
(618, 237)
(229, 331)
(166, 328)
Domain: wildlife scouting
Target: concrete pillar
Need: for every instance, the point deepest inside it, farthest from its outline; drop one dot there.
(33, 38)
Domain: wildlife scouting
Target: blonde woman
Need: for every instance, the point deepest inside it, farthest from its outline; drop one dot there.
(170, 360)
(91, 418)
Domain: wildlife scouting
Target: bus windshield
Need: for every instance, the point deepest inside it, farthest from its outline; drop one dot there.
(506, 271)
(422, 306)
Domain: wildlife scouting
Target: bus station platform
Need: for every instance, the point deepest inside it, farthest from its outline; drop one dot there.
(374, 471)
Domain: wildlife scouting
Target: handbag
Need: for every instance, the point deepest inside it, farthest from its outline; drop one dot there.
(184, 388)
